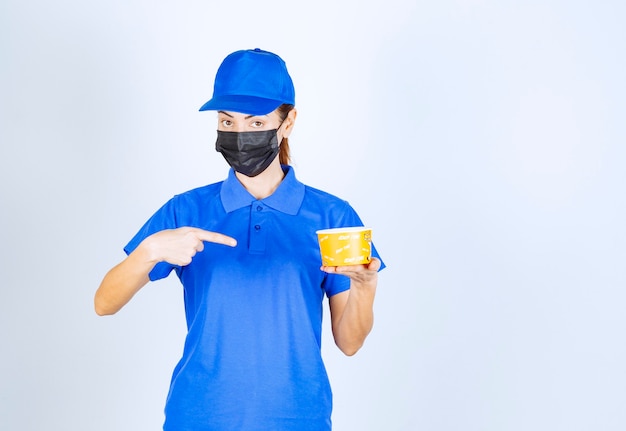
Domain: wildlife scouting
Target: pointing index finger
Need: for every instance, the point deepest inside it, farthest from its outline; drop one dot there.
(215, 237)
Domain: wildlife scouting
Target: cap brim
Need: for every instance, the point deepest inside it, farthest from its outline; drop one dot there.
(250, 105)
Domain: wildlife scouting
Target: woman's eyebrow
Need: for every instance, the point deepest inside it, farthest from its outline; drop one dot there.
(246, 117)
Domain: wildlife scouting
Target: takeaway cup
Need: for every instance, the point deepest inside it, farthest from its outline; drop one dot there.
(345, 246)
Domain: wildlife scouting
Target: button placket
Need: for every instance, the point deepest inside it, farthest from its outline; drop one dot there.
(257, 231)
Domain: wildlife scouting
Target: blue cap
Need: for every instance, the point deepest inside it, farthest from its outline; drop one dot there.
(251, 82)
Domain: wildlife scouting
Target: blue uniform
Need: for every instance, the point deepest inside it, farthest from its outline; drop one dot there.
(252, 359)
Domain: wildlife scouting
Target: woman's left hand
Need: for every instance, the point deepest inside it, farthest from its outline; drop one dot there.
(361, 274)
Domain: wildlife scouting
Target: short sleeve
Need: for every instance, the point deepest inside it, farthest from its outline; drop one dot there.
(163, 219)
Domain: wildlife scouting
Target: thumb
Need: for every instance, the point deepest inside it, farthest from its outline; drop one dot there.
(374, 265)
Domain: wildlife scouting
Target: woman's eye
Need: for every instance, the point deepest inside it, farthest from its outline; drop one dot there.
(227, 123)
(257, 124)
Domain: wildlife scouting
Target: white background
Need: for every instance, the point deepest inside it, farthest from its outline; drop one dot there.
(484, 142)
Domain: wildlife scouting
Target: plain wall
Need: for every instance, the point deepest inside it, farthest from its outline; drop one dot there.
(483, 141)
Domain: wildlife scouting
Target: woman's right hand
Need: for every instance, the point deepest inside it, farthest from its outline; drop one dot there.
(176, 246)
(179, 246)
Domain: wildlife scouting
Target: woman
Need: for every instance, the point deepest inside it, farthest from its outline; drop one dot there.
(246, 253)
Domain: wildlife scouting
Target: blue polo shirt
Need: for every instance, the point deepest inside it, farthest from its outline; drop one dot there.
(252, 359)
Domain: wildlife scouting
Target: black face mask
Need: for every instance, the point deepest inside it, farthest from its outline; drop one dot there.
(249, 153)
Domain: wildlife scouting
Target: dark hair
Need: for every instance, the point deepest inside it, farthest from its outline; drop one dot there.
(284, 155)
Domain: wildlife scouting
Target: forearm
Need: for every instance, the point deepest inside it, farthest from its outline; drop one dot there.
(122, 282)
(352, 326)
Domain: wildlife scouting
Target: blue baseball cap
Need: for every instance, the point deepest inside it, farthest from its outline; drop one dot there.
(251, 82)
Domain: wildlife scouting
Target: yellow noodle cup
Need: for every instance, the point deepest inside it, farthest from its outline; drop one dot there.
(345, 246)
